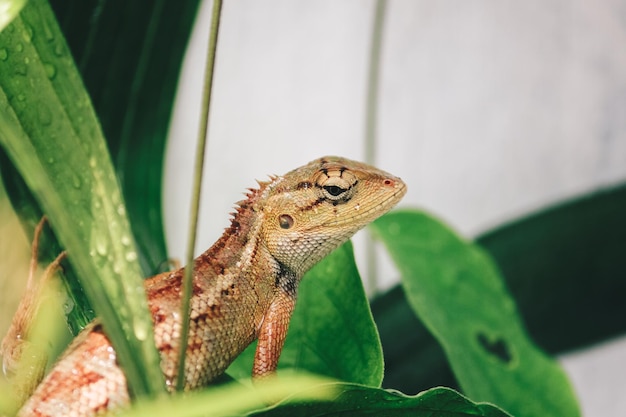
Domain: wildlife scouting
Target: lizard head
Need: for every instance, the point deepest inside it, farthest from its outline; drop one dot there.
(314, 209)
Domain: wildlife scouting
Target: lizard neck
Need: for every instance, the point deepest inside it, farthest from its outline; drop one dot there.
(241, 247)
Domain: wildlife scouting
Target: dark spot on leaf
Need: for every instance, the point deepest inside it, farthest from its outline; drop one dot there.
(496, 347)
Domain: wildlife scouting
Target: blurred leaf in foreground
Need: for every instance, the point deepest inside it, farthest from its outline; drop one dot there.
(50, 132)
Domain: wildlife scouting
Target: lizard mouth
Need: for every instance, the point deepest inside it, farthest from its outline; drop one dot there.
(374, 211)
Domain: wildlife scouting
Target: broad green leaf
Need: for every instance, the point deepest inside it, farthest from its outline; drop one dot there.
(458, 293)
(131, 74)
(565, 266)
(331, 332)
(355, 400)
(546, 259)
(50, 132)
(312, 396)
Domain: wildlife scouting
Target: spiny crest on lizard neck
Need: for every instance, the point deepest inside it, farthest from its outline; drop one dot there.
(225, 252)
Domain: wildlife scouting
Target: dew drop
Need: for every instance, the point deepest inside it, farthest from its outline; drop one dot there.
(125, 240)
(51, 70)
(92, 162)
(68, 306)
(121, 209)
(101, 248)
(59, 50)
(19, 47)
(47, 31)
(140, 329)
(28, 33)
(4, 54)
(51, 160)
(131, 256)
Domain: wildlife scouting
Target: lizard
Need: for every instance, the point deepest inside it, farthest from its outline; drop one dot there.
(244, 286)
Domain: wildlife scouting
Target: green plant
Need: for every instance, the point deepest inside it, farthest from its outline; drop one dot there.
(50, 132)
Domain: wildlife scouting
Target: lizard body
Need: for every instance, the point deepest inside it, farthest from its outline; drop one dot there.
(244, 286)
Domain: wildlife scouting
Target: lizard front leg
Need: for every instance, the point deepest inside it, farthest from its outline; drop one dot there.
(272, 333)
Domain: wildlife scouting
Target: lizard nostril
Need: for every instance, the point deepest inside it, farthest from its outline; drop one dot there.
(389, 182)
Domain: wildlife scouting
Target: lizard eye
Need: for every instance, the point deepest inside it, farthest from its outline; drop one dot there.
(285, 221)
(334, 190)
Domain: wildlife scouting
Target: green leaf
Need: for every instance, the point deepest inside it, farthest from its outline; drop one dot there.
(131, 74)
(50, 132)
(234, 398)
(355, 400)
(546, 258)
(414, 360)
(565, 266)
(458, 293)
(331, 332)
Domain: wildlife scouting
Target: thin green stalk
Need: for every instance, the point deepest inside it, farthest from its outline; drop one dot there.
(371, 114)
(197, 181)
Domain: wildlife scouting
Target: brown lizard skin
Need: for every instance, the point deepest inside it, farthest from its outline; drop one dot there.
(244, 286)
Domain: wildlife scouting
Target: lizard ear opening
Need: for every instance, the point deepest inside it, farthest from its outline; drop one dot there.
(285, 221)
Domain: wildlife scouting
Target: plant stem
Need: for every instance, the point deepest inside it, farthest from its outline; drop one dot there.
(197, 182)
(371, 114)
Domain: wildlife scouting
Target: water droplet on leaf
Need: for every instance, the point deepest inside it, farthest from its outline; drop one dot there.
(140, 329)
(68, 306)
(101, 248)
(47, 31)
(27, 34)
(51, 70)
(59, 50)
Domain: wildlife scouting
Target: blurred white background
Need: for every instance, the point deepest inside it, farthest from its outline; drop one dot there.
(488, 110)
